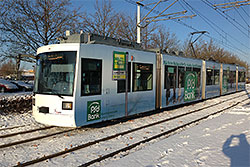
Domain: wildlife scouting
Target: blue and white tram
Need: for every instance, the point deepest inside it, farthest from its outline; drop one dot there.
(74, 83)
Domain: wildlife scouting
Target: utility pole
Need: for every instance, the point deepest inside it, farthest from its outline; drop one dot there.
(139, 4)
(149, 20)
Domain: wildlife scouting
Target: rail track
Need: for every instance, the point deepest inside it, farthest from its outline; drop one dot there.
(162, 133)
(13, 127)
(47, 135)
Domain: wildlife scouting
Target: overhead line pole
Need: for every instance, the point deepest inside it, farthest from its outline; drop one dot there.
(160, 14)
(139, 21)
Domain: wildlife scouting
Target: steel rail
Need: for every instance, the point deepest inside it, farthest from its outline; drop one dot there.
(35, 138)
(45, 157)
(66, 131)
(26, 131)
(14, 127)
(156, 136)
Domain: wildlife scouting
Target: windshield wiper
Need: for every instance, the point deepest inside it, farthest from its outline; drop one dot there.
(60, 96)
(53, 92)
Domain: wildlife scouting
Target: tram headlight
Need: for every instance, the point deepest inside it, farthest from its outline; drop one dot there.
(67, 105)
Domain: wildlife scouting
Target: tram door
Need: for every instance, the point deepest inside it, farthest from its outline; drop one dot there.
(91, 89)
(170, 84)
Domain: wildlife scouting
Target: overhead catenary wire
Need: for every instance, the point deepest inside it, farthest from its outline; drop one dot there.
(227, 17)
(231, 47)
(245, 12)
(212, 24)
(209, 36)
(236, 9)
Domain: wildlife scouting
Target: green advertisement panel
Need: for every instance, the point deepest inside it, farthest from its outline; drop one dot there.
(93, 110)
(119, 66)
(119, 60)
(190, 85)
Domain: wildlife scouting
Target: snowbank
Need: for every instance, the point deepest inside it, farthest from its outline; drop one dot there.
(20, 102)
(220, 141)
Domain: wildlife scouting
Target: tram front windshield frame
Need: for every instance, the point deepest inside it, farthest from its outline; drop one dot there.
(55, 73)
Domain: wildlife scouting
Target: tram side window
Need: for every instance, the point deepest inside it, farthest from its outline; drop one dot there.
(121, 84)
(181, 76)
(210, 77)
(170, 77)
(142, 77)
(232, 77)
(189, 69)
(226, 76)
(216, 77)
(241, 77)
(91, 77)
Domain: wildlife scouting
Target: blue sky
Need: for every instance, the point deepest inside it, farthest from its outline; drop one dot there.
(232, 35)
(230, 29)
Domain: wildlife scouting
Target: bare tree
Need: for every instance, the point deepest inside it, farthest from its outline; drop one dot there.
(211, 51)
(105, 21)
(31, 24)
(127, 28)
(8, 68)
(165, 40)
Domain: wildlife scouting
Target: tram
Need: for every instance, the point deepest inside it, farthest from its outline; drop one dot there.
(76, 81)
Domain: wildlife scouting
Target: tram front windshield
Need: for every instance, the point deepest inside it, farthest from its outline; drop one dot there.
(55, 73)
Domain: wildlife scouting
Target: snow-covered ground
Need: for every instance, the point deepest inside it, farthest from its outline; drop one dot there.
(221, 140)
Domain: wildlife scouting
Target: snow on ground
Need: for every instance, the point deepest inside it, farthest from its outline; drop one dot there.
(220, 141)
(201, 145)
(16, 119)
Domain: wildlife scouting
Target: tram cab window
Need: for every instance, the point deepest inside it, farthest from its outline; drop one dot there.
(181, 76)
(142, 77)
(121, 84)
(91, 77)
(55, 73)
(216, 77)
(210, 77)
